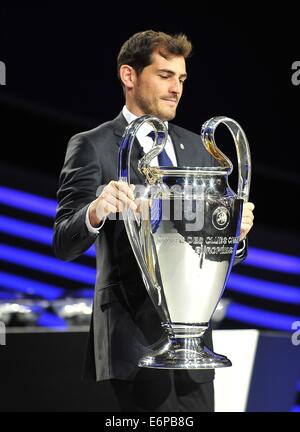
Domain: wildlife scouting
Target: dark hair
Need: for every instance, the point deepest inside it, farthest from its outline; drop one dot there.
(137, 50)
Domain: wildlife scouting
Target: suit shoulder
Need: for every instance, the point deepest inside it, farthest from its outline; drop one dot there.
(94, 134)
(185, 132)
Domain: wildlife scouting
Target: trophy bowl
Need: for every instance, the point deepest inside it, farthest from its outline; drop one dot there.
(184, 236)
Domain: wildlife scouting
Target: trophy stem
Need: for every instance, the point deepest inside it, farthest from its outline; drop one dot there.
(184, 349)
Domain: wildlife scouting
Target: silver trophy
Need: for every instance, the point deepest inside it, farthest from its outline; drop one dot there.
(184, 236)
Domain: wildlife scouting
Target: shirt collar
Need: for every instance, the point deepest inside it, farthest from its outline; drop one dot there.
(130, 117)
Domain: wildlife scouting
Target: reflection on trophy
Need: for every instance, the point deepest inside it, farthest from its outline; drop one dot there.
(184, 237)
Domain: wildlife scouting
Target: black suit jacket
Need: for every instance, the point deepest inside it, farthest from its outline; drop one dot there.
(124, 322)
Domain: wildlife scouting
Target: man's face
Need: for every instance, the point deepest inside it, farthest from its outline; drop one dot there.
(158, 88)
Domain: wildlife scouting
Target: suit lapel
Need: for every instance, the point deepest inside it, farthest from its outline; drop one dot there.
(182, 156)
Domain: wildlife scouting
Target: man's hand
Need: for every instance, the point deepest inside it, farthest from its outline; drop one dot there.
(247, 219)
(115, 197)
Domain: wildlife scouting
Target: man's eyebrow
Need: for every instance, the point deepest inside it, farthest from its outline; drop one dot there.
(171, 72)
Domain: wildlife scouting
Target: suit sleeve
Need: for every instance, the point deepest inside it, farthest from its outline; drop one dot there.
(78, 182)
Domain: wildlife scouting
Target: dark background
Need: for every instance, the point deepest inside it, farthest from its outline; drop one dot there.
(61, 79)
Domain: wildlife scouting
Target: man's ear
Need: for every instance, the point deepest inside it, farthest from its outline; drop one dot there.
(127, 76)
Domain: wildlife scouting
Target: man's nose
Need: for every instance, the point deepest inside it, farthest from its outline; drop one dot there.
(175, 86)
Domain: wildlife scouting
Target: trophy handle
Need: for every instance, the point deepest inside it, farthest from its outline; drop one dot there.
(242, 149)
(160, 139)
(131, 220)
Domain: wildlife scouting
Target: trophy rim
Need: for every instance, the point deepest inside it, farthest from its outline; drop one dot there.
(162, 171)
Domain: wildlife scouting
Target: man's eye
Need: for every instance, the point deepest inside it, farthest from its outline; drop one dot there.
(164, 76)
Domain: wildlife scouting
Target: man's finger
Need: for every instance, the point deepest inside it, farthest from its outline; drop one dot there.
(124, 187)
(249, 205)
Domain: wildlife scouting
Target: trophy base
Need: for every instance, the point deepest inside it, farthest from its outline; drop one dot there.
(184, 352)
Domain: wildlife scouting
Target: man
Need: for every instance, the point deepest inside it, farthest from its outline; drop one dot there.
(151, 67)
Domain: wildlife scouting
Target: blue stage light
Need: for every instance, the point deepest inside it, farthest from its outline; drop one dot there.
(296, 408)
(28, 202)
(48, 319)
(272, 261)
(260, 317)
(30, 287)
(265, 289)
(26, 230)
(33, 232)
(47, 264)
(9, 295)
(84, 293)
